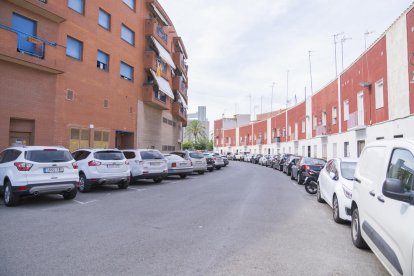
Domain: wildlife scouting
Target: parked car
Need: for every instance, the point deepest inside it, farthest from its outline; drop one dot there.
(225, 160)
(210, 162)
(275, 161)
(256, 158)
(263, 160)
(147, 164)
(335, 187)
(281, 161)
(383, 203)
(247, 157)
(178, 165)
(287, 165)
(101, 167)
(307, 168)
(230, 156)
(31, 171)
(218, 161)
(197, 159)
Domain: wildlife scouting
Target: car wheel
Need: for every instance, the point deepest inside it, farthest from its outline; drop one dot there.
(291, 176)
(84, 187)
(182, 176)
(288, 172)
(335, 210)
(210, 169)
(123, 185)
(70, 195)
(10, 198)
(300, 180)
(357, 238)
(131, 180)
(318, 195)
(200, 173)
(157, 180)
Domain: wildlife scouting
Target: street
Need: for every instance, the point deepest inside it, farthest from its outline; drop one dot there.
(242, 220)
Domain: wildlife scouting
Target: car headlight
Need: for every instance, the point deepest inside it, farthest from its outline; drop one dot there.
(347, 192)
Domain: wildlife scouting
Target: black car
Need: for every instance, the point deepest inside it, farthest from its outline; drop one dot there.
(210, 162)
(307, 167)
(281, 161)
(287, 166)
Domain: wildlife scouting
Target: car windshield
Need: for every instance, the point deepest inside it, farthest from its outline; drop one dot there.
(108, 155)
(348, 170)
(48, 156)
(196, 155)
(151, 154)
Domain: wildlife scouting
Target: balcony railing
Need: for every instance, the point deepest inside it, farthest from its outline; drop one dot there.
(355, 120)
(161, 33)
(155, 98)
(321, 131)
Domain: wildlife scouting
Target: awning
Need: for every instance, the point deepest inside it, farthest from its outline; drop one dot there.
(163, 53)
(182, 100)
(160, 16)
(163, 85)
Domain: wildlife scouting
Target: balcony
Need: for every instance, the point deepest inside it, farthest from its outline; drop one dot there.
(179, 111)
(155, 98)
(151, 60)
(51, 10)
(178, 59)
(152, 28)
(321, 131)
(356, 120)
(276, 140)
(179, 85)
(30, 51)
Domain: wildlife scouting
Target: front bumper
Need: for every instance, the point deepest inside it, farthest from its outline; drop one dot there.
(47, 188)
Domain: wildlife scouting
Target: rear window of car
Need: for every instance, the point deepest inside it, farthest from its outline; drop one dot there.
(48, 156)
(108, 155)
(129, 154)
(311, 161)
(348, 170)
(196, 155)
(181, 154)
(146, 155)
(174, 157)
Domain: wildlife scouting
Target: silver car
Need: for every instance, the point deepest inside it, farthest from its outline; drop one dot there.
(197, 159)
(178, 165)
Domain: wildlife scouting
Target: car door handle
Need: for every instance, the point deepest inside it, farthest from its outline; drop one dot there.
(357, 180)
(372, 193)
(381, 199)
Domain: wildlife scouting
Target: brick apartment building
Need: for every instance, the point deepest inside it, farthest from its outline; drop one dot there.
(91, 73)
(370, 100)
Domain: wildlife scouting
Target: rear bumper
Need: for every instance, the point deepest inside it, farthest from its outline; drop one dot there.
(180, 171)
(108, 180)
(48, 188)
(151, 176)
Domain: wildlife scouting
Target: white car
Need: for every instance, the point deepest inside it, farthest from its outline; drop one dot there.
(335, 184)
(383, 203)
(197, 159)
(31, 170)
(147, 164)
(178, 165)
(101, 167)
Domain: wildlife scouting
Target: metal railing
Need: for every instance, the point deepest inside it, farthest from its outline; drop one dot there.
(161, 33)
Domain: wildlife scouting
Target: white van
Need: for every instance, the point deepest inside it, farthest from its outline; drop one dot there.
(383, 203)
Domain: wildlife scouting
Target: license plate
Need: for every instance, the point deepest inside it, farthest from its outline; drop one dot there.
(183, 164)
(199, 162)
(53, 170)
(112, 166)
(155, 163)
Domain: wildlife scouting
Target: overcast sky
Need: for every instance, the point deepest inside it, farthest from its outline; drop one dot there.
(240, 47)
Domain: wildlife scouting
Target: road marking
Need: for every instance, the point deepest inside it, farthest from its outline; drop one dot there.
(84, 203)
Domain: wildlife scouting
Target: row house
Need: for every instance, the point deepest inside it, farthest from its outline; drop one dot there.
(370, 100)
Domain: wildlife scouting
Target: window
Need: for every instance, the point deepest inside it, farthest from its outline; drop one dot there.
(315, 122)
(104, 19)
(102, 61)
(402, 167)
(379, 94)
(48, 156)
(361, 146)
(127, 34)
(334, 115)
(26, 43)
(101, 139)
(105, 103)
(346, 110)
(77, 5)
(324, 118)
(346, 149)
(127, 72)
(130, 3)
(74, 48)
(79, 138)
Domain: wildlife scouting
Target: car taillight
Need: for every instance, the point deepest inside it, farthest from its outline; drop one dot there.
(23, 188)
(305, 168)
(23, 166)
(75, 165)
(94, 163)
(173, 165)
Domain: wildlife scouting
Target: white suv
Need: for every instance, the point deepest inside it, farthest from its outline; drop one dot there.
(26, 171)
(147, 164)
(100, 167)
(382, 203)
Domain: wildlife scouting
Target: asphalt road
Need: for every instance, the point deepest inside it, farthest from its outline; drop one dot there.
(242, 220)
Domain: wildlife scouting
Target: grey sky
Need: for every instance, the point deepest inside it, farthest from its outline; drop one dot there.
(240, 47)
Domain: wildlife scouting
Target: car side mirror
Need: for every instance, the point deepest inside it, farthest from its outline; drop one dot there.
(394, 189)
(333, 176)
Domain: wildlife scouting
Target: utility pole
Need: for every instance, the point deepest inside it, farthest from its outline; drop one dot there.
(271, 99)
(335, 42)
(343, 40)
(310, 72)
(366, 34)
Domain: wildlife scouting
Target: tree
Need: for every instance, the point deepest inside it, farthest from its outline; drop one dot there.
(187, 145)
(196, 130)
